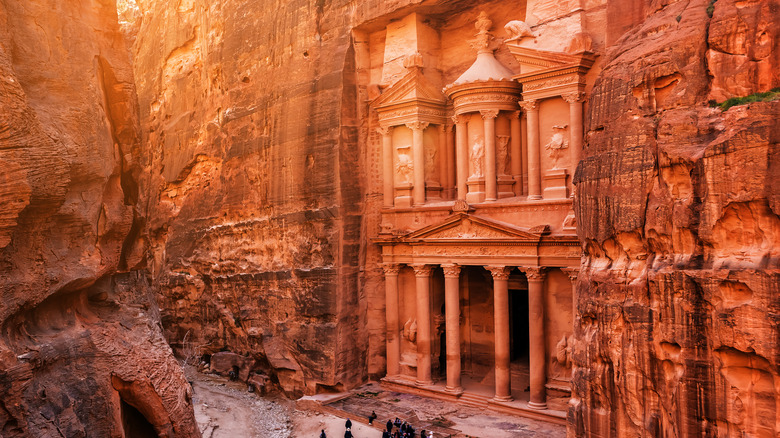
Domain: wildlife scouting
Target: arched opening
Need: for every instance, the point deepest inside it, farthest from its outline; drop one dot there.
(134, 424)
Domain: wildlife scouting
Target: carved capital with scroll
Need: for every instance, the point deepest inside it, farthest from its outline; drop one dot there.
(391, 269)
(534, 273)
(498, 272)
(417, 125)
(489, 114)
(451, 271)
(422, 270)
(573, 97)
(384, 130)
(529, 105)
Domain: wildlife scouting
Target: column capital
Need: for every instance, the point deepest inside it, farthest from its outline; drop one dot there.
(414, 126)
(529, 105)
(573, 273)
(534, 273)
(515, 114)
(499, 272)
(489, 114)
(576, 96)
(458, 119)
(451, 271)
(422, 270)
(384, 130)
(391, 268)
(448, 127)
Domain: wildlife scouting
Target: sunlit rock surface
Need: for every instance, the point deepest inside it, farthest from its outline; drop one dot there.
(678, 215)
(81, 349)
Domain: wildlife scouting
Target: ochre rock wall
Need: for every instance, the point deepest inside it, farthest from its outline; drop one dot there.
(80, 339)
(678, 214)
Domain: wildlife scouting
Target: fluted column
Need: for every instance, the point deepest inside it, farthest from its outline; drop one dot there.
(501, 331)
(393, 320)
(536, 341)
(387, 165)
(418, 156)
(423, 277)
(491, 188)
(534, 159)
(462, 154)
(452, 321)
(516, 152)
(575, 123)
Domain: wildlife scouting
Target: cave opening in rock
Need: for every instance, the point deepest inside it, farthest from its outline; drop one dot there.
(134, 424)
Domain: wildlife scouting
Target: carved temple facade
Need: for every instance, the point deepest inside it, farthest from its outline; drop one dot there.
(477, 235)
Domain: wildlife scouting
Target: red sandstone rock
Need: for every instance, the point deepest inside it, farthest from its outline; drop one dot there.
(677, 331)
(81, 352)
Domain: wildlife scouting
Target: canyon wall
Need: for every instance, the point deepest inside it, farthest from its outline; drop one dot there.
(81, 349)
(678, 209)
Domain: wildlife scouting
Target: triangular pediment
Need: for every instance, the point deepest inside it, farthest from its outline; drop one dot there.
(468, 226)
(414, 86)
(534, 61)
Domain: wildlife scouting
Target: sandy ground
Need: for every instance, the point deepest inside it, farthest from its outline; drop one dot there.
(225, 409)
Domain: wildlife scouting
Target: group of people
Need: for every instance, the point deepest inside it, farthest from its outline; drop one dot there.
(402, 429)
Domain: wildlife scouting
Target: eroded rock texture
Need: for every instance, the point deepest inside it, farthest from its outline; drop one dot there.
(81, 351)
(678, 208)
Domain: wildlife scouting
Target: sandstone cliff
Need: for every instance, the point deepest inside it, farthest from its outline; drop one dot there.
(81, 349)
(678, 212)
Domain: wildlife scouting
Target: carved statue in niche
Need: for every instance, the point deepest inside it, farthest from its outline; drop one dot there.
(502, 154)
(478, 159)
(557, 143)
(431, 169)
(405, 167)
(518, 30)
(410, 330)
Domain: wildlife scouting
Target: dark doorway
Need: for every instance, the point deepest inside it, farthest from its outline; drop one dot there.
(135, 424)
(518, 324)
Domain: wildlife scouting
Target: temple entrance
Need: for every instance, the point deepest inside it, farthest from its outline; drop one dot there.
(134, 424)
(518, 342)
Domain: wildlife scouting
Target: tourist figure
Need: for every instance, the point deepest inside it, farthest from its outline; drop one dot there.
(389, 425)
(371, 418)
(348, 434)
(322, 434)
(348, 424)
(397, 422)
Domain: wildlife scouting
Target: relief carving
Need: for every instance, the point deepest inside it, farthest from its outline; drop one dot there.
(502, 154)
(405, 167)
(518, 30)
(410, 330)
(477, 159)
(431, 169)
(557, 142)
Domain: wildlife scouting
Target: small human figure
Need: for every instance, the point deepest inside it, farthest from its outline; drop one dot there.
(389, 425)
(423, 434)
(371, 418)
(348, 434)
(322, 434)
(348, 424)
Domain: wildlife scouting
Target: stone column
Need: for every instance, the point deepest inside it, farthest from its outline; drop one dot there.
(516, 152)
(444, 158)
(489, 118)
(534, 155)
(462, 154)
(452, 321)
(423, 277)
(501, 331)
(575, 122)
(418, 157)
(450, 161)
(536, 341)
(387, 165)
(393, 320)
(573, 273)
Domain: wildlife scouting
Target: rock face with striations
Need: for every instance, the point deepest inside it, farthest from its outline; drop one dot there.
(678, 215)
(81, 350)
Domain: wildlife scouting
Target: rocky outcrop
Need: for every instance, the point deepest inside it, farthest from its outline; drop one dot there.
(81, 351)
(677, 203)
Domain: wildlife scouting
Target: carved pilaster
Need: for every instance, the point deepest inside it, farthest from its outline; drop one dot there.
(451, 271)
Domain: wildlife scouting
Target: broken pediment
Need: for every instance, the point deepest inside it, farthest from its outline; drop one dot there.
(548, 74)
(413, 98)
(467, 226)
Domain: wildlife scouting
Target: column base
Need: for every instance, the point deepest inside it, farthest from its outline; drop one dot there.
(454, 390)
(537, 406)
(505, 398)
(534, 197)
(423, 383)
